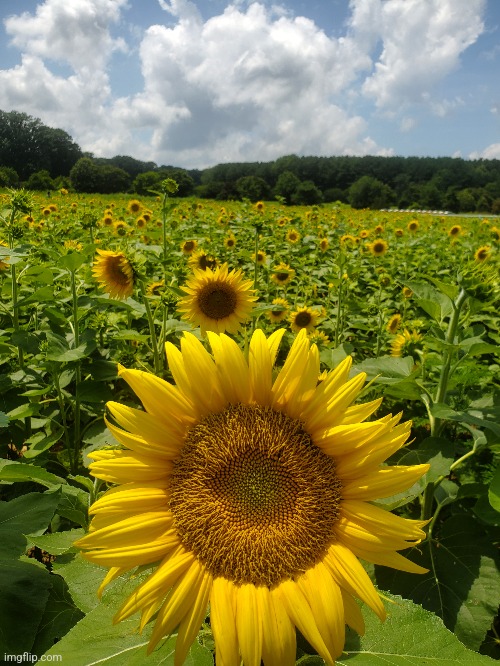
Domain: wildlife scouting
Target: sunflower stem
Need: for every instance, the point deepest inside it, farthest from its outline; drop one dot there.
(152, 330)
(78, 369)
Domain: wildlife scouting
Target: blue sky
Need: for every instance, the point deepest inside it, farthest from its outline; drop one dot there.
(195, 83)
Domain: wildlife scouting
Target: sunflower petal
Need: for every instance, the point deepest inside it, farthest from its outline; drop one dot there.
(223, 622)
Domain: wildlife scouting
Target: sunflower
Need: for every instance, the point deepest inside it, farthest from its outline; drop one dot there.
(259, 258)
(253, 497)
(347, 239)
(406, 343)
(323, 244)
(115, 273)
(413, 225)
(379, 229)
(107, 220)
(217, 300)
(378, 247)
(3, 264)
(455, 231)
(120, 228)
(495, 232)
(141, 222)
(259, 206)
(482, 253)
(201, 260)
(134, 206)
(230, 242)
(189, 246)
(399, 233)
(292, 236)
(283, 274)
(364, 233)
(394, 323)
(319, 338)
(304, 318)
(407, 292)
(280, 312)
(156, 288)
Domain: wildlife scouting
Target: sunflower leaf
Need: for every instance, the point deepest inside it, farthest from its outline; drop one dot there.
(462, 585)
(410, 635)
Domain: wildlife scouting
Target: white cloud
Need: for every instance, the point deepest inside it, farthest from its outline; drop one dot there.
(491, 152)
(252, 83)
(421, 44)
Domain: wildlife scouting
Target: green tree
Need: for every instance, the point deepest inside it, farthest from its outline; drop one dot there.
(252, 188)
(84, 176)
(286, 186)
(8, 177)
(27, 145)
(145, 182)
(307, 194)
(368, 192)
(40, 180)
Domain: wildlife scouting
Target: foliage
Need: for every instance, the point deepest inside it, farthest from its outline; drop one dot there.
(61, 339)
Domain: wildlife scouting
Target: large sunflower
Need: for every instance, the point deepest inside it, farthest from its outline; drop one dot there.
(253, 496)
(114, 273)
(217, 300)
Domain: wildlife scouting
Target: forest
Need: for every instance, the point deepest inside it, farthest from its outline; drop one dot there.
(42, 158)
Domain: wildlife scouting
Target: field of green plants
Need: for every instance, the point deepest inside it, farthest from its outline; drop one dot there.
(413, 298)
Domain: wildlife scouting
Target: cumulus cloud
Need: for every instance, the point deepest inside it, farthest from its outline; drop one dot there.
(491, 152)
(251, 83)
(421, 44)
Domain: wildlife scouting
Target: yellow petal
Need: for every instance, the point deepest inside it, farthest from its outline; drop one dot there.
(349, 574)
(389, 559)
(140, 423)
(249, 624)
(168, 449)
(358, 413)
(300, 613)
(382, 522)
(135, 555)
(156, 586)
(133, 497)
(260, 369)
(278, 632)
(190, 625)
(180, 600)
(231, 367)
(138, 529)
(384, 482)
(323, 595)
(206, 390)
(126, 466)
(273, 342)
(352, 613)
(223, 622)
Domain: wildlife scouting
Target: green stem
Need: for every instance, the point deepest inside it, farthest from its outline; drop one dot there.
(152, 330)
(448, 353)
(78, 368)
(62, 409)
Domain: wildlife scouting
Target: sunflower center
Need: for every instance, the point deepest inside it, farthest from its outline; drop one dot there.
(116, 271)
(217, 300)
(303, 319)
(282, 277)
(253, 497)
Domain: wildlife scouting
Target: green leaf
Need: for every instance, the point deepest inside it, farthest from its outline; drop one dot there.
(83, 579)
(24, 590)
(120, 644)
(4, 420)
(40, 442)
(411, 636)
(59, 350)
(28, 514)
(16, 471)
(462, 586)
(387, 369)
(437, 304)
(57, 543)
(42, 295)
(130, 335)
(59, 616)
(494, 490)
(94, 391)
(71, 261)
(74, 505)
(442, 411)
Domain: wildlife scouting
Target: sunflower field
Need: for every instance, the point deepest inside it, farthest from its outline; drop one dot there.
(247, 433)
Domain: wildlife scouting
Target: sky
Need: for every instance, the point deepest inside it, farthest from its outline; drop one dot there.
(194, 83)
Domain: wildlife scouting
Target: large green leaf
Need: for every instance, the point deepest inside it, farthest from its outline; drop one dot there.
(24, 590)
(83, 579)
(59, 615)
(96, 640)
(28, 514)
(57, 543)
(437, 304)
(16, 471)
(494, 490)
(411, 636)
(463, 584)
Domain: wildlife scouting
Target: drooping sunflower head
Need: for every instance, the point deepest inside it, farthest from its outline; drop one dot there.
(378, 247)
(483, 253)
(200, 260)
(394, 323)
(323, 244)
(282, 274)
(406, 343)
(114, 273)
(280, 312)
(253, 496)
(219, 300)
(259, 258)
(189, 246)
(304, 318)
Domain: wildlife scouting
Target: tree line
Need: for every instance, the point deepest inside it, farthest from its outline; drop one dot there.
(43, 158)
